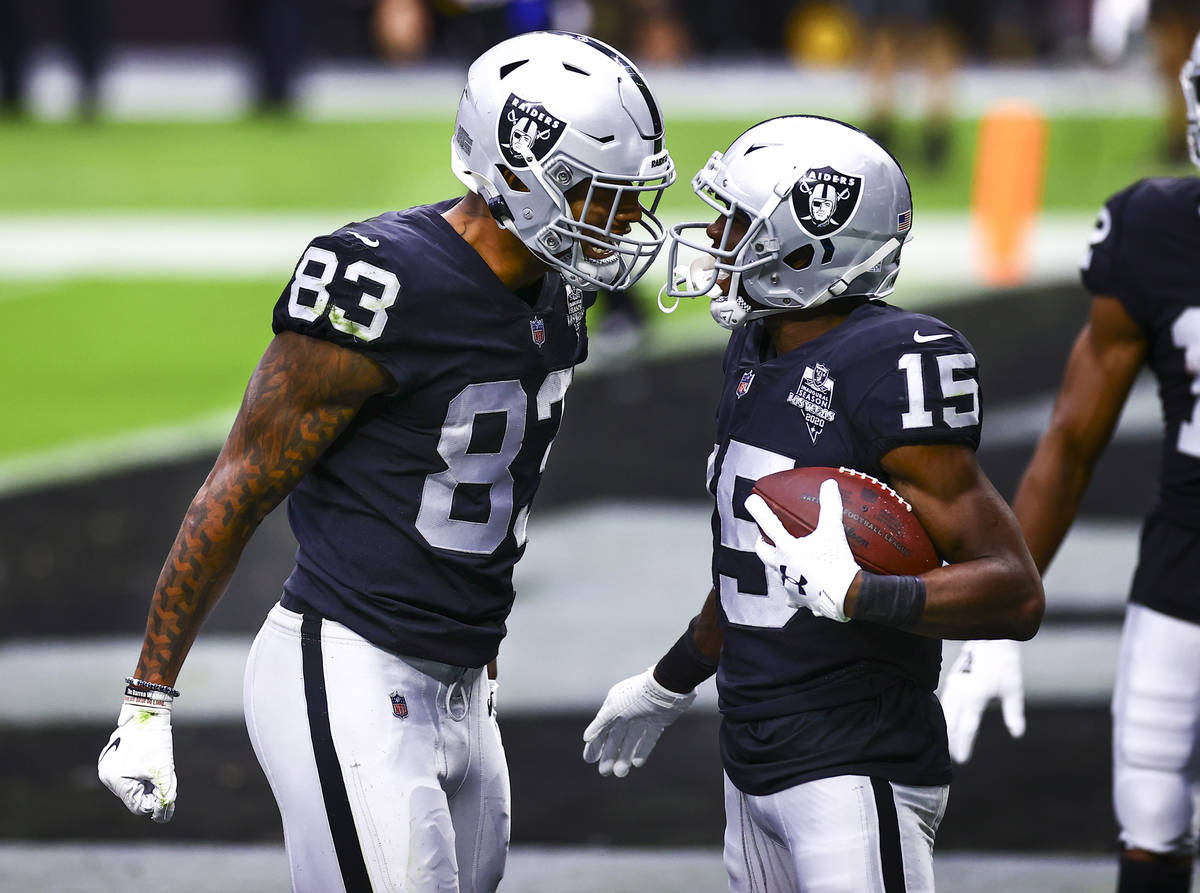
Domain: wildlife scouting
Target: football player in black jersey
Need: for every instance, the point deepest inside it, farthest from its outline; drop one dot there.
(1141, 270)
(832, 738)
(407, 404)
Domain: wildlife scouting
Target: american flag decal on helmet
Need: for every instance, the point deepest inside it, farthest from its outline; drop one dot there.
(399, 705)
(904, 220)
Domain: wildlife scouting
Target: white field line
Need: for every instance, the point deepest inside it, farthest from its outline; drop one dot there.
(558, 586)
(943, 255)
(47, 247)
(90, 457)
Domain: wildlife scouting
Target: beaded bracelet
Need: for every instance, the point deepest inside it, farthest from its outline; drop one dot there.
(136, 684)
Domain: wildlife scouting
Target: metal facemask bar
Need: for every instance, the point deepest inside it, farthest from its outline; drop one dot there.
(562, 241)
(1189, 80)
(697, 280)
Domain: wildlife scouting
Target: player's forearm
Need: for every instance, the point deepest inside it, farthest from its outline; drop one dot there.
(995, 597)
(1049, 496)
(202, 559)
(990, 590)
(251, 477)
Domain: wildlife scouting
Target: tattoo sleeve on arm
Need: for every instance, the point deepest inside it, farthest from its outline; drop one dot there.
(302, 395)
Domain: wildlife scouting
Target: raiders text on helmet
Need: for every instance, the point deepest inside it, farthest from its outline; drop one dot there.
(827, 210)
(549, 112)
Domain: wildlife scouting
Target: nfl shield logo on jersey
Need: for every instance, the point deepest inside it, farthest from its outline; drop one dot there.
(537, 329)
(824, 200)
(399, 705)
(526, 129)
(743, 387)
(813, 396)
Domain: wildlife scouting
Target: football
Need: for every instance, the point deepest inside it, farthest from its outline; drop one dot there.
(884, 534)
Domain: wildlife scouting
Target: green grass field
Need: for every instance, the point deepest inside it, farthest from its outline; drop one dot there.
(277, 164)
(87, 358)
(94, 357)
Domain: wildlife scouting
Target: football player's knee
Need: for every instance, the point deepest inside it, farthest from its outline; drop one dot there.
(1154, 810)
(1154, 734)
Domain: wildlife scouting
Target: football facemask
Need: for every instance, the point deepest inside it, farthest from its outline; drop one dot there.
(592, 250)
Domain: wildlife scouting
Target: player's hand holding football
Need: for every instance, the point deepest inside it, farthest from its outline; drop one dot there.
(984, 670)
(634, 713)
(138, 763)
(817, 569)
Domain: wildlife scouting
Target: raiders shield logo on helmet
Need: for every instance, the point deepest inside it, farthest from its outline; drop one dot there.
(527, 130)
(824, 200)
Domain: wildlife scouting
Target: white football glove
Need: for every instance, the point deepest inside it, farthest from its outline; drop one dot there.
(817, 569)
(138, 763)
(984, 670)
(633, 715)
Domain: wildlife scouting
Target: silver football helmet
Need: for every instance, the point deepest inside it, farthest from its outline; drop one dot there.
(552, 111)
(826, 210)
(1189, 79)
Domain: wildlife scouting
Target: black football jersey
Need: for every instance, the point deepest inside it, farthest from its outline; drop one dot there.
(806, 697)
(1145, 251)
(409, 525)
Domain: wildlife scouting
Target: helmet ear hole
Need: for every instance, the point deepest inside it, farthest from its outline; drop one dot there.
(514, 182)
(801, 258)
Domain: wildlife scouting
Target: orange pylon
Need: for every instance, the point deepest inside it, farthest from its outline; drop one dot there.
(1010, 164)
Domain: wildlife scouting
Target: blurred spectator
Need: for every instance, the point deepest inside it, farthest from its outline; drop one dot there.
(462, 29)
(403, 29)
(721, 28)
(823, 34)
(908, 32)
(660, 36)
(83, 26)
(274, 30)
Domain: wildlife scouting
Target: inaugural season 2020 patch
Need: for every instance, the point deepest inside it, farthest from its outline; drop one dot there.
(813, 397)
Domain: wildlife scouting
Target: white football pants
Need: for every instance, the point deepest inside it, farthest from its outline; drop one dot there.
(847, 834)
(388, 771)
(1156, 718)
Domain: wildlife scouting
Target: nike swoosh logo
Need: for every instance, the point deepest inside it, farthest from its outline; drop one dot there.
(921, 339)
(373, 243)
(112, 745)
